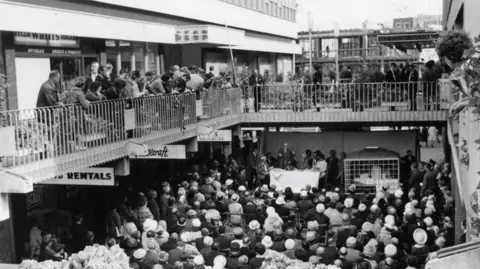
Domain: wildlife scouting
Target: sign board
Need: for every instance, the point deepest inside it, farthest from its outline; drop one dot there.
(98, 176)
(191, 34)
(46, 40)
(129, 119)
(216, 136)
(164, 152)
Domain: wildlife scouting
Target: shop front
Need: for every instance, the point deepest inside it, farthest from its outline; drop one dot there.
(37, 54)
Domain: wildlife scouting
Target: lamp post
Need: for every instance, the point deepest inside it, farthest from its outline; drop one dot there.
(310, 27)
(336, 31)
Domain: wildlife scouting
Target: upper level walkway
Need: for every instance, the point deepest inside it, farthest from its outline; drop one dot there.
(43, 143)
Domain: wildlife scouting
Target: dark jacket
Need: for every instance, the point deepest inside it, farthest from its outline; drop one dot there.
(94, 97)
(47, 96)
(254, 80)
(391, 76)
(154, 209)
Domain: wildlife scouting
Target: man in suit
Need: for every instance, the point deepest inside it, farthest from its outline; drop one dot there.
(392, 75)
(412, 86)
(256, 82)
(252, 164)
(263, 172)
(93, 74)
(317, 82)
(416, 176)
(79, 234)
(285, 156)
(107, 85)
(409, 159)
(430, 181)
(47, 96)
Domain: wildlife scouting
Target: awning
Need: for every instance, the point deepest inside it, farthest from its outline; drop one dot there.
(17, 17)
(14, 183)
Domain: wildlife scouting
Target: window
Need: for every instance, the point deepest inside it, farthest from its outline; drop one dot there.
(398, 25)
(407, 25)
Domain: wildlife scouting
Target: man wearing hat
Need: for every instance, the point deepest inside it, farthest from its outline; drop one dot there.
(290, 248)
(163, 260)
(317, 214)
(139, 256)
(304, 205)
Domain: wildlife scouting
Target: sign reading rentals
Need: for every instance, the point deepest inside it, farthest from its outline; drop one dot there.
(164, 152)
(216, 136)
(103, 176)
(46, 40)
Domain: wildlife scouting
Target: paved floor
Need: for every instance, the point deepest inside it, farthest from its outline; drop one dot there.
(435, 153)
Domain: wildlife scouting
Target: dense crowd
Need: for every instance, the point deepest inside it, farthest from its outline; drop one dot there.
(208, 218)
(103, 84)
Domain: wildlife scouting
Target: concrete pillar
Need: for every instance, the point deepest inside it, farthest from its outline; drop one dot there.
(10, 70)
(145, 58)
(157, 63)
(119, 56)
(132, 56)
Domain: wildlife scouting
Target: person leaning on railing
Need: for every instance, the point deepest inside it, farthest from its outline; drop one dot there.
(76, 95)
(48, 94)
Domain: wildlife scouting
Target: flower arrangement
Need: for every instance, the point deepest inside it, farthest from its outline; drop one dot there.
(453, 45)
(92, 257)
(273, 257)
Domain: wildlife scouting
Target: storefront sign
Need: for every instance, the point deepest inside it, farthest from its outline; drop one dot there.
(189, 35)
(47, 40)
(44, 50)
(103, 176)
(216, 136)
(165, 152)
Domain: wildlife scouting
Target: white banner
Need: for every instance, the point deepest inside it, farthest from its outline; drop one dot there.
(164, 152)
(48, 40)
(98, 176)
(216, 136)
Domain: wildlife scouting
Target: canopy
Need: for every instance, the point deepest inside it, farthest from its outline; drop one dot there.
(14, 183)
(372, 154)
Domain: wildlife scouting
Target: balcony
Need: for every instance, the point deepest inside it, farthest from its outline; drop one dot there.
(52, 141)
(374, 53)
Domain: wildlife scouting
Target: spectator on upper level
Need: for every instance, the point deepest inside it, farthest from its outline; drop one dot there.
(47, 95)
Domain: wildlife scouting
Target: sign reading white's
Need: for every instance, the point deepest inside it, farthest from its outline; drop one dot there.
(46, 40)
(216, 136)
(178, 152)
(103, 176)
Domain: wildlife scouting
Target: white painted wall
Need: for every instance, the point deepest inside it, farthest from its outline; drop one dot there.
(471, 22)
(215, 11)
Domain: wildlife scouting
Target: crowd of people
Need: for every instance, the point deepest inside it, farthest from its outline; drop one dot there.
(103, 84)
(211, 217)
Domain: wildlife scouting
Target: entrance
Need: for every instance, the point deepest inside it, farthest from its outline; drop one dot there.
(69, 68)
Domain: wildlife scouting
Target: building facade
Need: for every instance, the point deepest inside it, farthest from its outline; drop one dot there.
(141, 35)
(462, 15)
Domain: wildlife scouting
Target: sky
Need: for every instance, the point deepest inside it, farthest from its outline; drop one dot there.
(352, 13)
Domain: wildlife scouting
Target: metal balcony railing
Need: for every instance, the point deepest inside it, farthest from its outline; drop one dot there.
(54, 140)
(70, 136)
(354, 97)
(375, 52)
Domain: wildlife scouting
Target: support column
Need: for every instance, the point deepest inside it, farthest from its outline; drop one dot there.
(10, 70)
(145, 58)
(119, 57)
(157, 63)
(294, 67)
(161, 52)
(132, 57)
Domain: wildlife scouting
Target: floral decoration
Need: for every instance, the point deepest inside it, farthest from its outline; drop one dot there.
(92, 257)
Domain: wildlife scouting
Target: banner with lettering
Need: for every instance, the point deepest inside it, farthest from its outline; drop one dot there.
(46, 40)
(216, 136)
(96, 176)
(178, 152)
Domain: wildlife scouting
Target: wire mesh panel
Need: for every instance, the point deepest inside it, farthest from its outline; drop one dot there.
(370, 175)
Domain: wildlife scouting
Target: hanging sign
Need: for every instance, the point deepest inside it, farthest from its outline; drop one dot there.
(34, 198)
(164, 152)
(98, 176)
(47, 40)
(216, 136)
